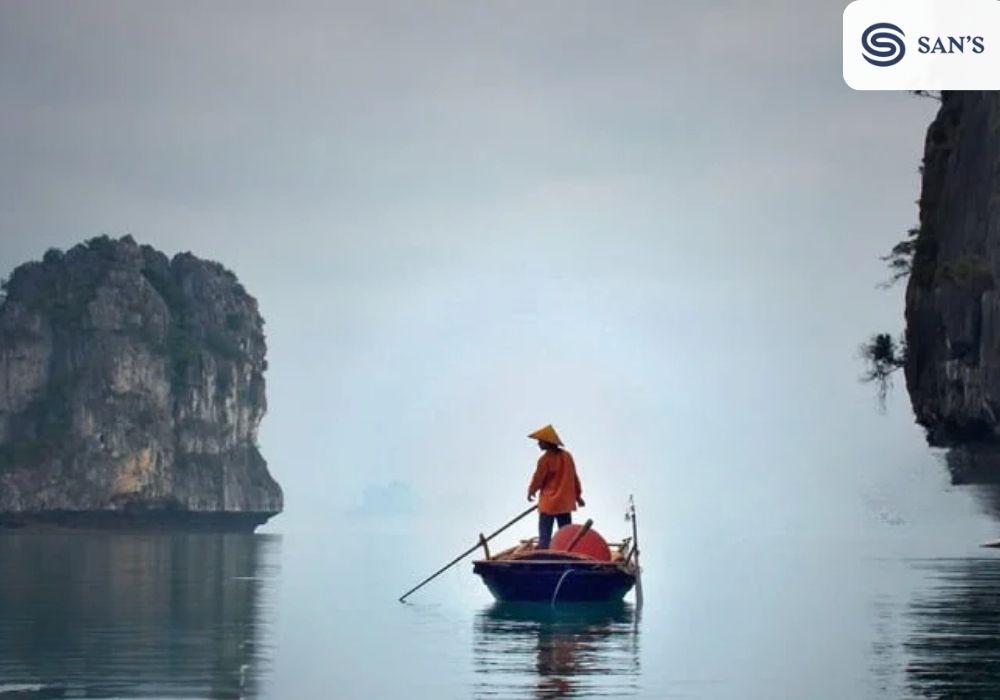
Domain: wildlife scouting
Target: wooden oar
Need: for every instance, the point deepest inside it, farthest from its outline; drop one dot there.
(466, 553)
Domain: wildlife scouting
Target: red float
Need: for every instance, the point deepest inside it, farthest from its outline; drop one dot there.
(591, 544)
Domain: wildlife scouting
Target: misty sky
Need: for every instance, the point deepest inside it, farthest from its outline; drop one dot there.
(655, 225)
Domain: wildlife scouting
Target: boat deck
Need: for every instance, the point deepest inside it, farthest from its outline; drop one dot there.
(527, 550)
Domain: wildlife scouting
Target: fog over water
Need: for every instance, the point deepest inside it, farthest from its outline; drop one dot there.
(645, 224)
(657, 226)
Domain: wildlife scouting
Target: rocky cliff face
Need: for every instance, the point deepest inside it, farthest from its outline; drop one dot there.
(131, 389)
(952, 300)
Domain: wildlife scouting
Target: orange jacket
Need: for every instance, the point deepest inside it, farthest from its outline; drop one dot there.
(556, 478)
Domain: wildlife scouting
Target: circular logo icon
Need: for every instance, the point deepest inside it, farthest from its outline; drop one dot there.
(882, 44)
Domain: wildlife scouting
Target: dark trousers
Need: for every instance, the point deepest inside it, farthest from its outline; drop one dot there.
(545, 526)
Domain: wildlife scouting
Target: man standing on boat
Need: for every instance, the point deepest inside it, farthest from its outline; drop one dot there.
(556, 478)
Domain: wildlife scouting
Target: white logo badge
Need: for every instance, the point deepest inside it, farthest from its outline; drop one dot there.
(922, 45)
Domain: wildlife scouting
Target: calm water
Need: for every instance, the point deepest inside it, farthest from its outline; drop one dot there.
(908, 609)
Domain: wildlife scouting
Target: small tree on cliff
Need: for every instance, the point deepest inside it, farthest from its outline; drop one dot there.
(881, 353)
(900, 258)
(883, 356)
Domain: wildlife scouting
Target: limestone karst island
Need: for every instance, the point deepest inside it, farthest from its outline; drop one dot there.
(950, 351)
(131, 390)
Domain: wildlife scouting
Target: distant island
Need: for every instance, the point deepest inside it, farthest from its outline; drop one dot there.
(131, 390)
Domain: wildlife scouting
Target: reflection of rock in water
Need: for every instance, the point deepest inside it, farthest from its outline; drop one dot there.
(524, 649)
(954, 646)
(979, 469)
(972, 464)
(988, 498)
(123, 614)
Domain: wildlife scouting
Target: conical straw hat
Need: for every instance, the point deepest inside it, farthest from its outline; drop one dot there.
(546, 434)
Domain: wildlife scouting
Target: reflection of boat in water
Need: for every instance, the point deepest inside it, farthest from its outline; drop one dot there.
(524, 649)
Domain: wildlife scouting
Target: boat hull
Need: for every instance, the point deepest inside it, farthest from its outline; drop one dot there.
(576, 581)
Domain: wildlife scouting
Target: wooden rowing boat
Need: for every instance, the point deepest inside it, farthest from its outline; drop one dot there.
(526, 573)
(596, 572)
